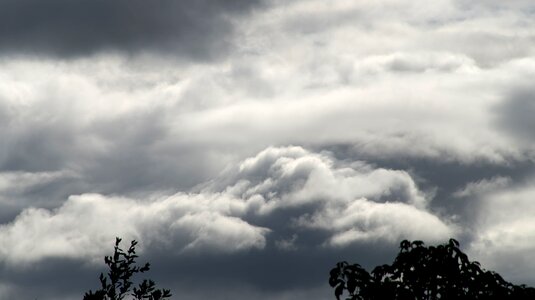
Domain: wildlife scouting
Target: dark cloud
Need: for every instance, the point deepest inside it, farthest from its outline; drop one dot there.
(231, 231)
(376, 91)
(514, 114)
(282, 194)
(40, 281)
(194, 29)
(46, 159)
(268, 272)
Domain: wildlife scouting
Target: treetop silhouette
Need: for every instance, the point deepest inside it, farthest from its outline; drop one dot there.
(118, 282)
(425, 273)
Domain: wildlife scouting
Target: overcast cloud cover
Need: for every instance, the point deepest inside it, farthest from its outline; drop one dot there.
(251, 145)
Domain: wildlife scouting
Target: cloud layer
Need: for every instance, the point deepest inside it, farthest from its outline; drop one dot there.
(355, 203)
(169, 122)
(503, 237)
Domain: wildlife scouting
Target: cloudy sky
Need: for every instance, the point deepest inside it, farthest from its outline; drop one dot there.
(251, 145)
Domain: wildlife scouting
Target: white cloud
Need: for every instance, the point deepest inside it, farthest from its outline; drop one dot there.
(393, 79)
(363, 221)
(483, 187)
(287, 244)
(85, 225)
(390, 100)
(292, 176)
(354, 203)
(504, 235)
(447, 84)
(14, 183)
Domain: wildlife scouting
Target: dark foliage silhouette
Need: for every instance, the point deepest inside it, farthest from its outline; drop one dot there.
(425, 273)
(118, 283)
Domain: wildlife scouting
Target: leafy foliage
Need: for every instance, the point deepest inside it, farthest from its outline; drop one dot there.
(118, 282)
(425, 273)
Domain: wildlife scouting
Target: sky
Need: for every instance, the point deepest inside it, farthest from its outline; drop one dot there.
(250, 145)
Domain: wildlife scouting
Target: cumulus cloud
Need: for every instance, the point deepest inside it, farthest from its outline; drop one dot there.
(504, 238)
(273, 91)
(103, 129)
(368, 221)
(175, 126)
(84, 226)
(413, 100)
(352, 203)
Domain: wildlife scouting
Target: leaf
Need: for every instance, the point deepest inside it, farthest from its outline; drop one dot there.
(454, 243)
(420, 272)
(338, 291)
(122, 266)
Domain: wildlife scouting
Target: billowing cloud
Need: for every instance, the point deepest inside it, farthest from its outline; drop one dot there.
(84, 226)
(171, 120)
(353, 203)
(504, 236)
(368, 221)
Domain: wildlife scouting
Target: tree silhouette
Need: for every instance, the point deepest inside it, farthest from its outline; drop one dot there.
(118, 282)
(425, 273)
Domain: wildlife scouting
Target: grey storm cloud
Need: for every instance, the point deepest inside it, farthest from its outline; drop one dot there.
(514, 114)
(349, 204)
(66, 28)
(330, 131)
(285, 208)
